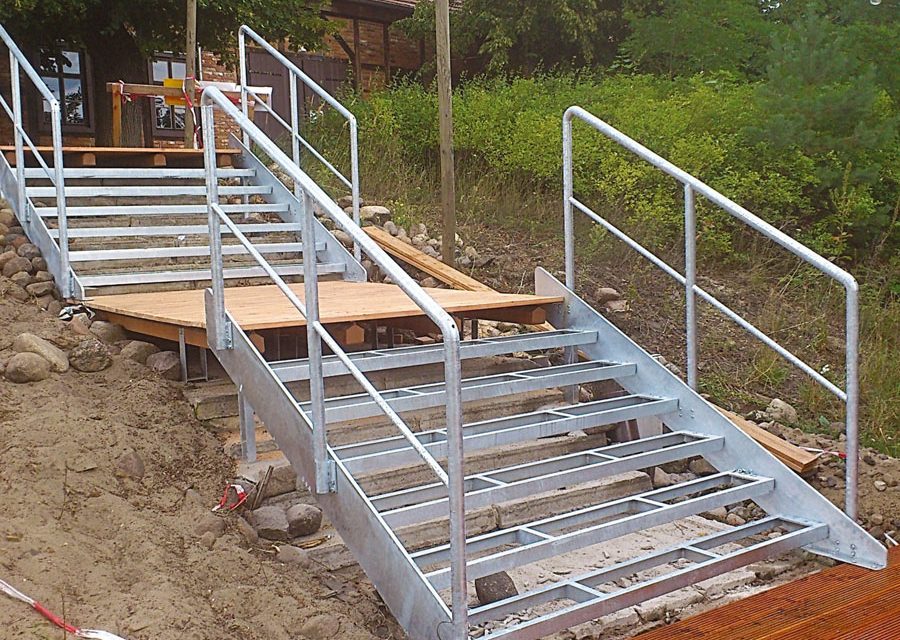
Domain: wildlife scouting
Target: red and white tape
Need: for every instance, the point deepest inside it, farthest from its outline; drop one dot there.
(240, 496)
(94, 634)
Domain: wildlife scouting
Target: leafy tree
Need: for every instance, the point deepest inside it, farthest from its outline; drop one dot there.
(823, 99)
(522, 36)
(684, 37)
(119, 36)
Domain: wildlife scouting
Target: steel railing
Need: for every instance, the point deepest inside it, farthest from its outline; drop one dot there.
(317, 333)
(692, 186)
(17, 64)
(293, 127)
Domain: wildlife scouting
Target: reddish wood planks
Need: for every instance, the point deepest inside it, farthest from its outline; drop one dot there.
(841, 603)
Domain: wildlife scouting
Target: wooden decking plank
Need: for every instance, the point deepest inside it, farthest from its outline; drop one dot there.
(265, 307)
(828, 605)
(433, 267)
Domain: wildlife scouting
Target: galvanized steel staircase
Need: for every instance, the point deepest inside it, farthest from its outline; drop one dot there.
(153, 230)
(415, 581)
(145, 228)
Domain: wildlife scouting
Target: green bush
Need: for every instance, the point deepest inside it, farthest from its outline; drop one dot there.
(707, 125)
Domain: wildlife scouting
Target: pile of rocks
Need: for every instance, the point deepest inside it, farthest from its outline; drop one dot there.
(416, 234)
(24, 270)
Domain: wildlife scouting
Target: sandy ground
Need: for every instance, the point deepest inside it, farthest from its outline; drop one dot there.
(128, 555)
(121, 554)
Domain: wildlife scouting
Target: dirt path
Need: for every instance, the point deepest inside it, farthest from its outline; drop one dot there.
(125, 554)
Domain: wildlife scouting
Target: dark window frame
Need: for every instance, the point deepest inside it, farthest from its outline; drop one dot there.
(84, 75)
(169, 58)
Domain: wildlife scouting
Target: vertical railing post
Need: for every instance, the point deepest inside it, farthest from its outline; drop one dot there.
(354, 179)
(295, 129)
(568, 194)
(456, 483)
(852, 402)
(325, 478)
(221, 337)
(690, 280)
(62, 220)
(22, 203)
(242, 60)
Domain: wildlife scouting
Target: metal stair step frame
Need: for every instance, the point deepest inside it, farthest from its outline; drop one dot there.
(144, 191)
(701, 561)
(160, 210)
(150, 253)
(586, 527)
(418, 504)
(411, 356)
(385, 453)
(189, 275)
(179, 230)
(137, 173)
(353, 407)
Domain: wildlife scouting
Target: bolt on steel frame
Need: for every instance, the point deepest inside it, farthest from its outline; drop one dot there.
(293, 127)
(317, 333)
(692, 186)
(59, 247)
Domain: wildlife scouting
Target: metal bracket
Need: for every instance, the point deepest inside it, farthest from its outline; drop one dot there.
(326, 480)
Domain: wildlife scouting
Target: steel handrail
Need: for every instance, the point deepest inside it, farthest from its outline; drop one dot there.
(18, 62)
(295, 73)
(333, 345)
(212, 98)
(692, 185)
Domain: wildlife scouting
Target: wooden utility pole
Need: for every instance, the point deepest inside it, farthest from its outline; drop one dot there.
(190, 70)
(445, 107)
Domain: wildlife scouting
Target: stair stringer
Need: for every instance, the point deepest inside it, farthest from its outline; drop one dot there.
(410, 597)
(791, 497)
(35, 229)
(334, 251)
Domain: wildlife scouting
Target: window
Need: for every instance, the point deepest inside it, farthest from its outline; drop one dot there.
(64, 72)
(168, 120)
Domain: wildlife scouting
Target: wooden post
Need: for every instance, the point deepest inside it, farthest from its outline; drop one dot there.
(357, 58)
(445, 106)
(386, 36)
(190, 70)
(116, 115)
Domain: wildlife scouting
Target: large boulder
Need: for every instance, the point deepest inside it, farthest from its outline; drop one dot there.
(29, 251)
(139, 351)
(40, 289)
(166, 363)
(30, 343)
(495, 587)
(90, 356)
(27, 367)
(17, 264)
(271, 523)
(107, 331)
(303, 520)
(780, 411)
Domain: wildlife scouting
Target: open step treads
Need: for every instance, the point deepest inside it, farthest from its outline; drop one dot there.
(151, 253)
(169, 230)
(357, 406)
(571, 531)
(142, 191)
(595, 593)
(198, 275)
(386, 453)
(382, 359)
(409, 506)
(138, 173)
(159, 210)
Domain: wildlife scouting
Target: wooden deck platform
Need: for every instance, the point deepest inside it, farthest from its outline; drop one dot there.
(258, 308)
(841, 603)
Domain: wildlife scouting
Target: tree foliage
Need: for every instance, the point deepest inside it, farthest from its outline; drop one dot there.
(521, 36)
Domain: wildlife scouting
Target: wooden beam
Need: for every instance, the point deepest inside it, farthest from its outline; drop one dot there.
(386, 38)
(116, 116)
(422, 262)
(797, 459)
(445, 108)
(357, 59)
(190, 69)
